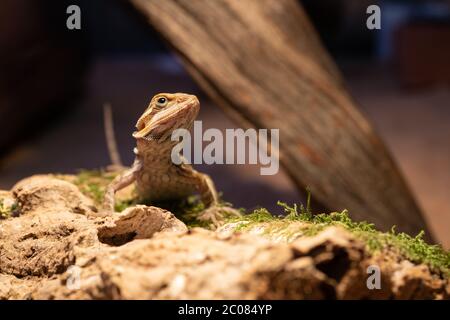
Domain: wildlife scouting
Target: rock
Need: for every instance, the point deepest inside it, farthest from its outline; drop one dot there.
(53, 250)
(43, 193)
(139, 222)
(415, 282)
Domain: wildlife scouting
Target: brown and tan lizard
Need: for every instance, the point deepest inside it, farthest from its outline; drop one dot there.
(156, 176)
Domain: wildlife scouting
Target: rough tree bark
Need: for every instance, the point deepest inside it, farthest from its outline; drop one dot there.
(262, 62)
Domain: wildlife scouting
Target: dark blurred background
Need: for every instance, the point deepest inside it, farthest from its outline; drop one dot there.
(54, 81)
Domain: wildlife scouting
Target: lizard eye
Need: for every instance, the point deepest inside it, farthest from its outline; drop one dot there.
(161, 102)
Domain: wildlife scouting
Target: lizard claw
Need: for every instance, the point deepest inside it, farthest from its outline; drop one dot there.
(215, 214)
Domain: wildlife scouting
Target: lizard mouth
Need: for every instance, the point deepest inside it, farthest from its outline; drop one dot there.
(140, 126)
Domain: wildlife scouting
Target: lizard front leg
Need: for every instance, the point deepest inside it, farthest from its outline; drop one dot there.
(209, 196)
(121, 181)
(206, 188)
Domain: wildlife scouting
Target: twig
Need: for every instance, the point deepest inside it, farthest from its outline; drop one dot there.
(111, 142)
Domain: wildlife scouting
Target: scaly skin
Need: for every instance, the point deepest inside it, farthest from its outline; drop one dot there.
(155, 175)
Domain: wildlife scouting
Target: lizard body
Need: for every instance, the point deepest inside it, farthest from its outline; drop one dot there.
(153, 171)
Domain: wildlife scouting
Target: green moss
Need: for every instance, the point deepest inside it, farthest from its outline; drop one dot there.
(93, 184)
(122, 205)
(414, 249)
(5, 211)
(187, 210)
(259, 215)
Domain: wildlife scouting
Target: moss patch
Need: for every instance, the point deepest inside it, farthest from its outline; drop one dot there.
(6, 211)
(188, 210)
(93, 184)
(411, 248)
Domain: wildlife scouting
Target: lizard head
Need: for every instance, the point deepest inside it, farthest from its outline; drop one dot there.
(166, 113)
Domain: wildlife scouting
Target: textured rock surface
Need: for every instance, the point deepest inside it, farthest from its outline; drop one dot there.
(59, 248)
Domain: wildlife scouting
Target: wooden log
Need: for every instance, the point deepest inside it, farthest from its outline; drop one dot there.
(263, 63)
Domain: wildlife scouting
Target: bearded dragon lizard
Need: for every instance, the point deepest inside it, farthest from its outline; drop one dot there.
(154, 173)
